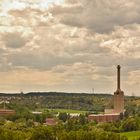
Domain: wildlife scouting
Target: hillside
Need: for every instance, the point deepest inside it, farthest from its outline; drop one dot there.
(52, 100)
(60, 100)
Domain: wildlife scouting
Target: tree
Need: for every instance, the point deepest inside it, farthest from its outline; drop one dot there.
(63, 116)
(130, 124)
(42, 133)
(82, 119)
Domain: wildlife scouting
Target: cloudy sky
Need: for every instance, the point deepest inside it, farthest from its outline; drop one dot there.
(69, 45)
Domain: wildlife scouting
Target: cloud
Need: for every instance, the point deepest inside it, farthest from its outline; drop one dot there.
(28, 17)
(123, 41)
(98, 15)
(26, 80)
(75, 45)
(14, 40)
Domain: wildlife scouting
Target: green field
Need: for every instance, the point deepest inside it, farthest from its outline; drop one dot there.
(68, 111)
(131, 135)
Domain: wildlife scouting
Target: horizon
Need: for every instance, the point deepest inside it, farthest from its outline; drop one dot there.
(69, 45)
(61, 92)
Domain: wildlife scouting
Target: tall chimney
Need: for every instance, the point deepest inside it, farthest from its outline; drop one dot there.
(118, 77)
(118, 95)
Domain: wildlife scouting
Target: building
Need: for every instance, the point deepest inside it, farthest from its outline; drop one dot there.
(104, 117)
(36, 112)
(118, 100)
(73, 115)
(118, 95)
(7, 112)
(51, 121)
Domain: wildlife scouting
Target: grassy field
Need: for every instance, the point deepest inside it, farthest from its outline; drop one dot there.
(131, 135)
(68, 111)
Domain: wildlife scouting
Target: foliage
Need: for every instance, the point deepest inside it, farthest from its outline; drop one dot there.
(48, 133)
(130, 124)
(64, 116)
(42, 133)
(53, 100)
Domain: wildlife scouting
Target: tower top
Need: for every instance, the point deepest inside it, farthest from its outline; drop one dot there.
(118, 77)
(118, 67)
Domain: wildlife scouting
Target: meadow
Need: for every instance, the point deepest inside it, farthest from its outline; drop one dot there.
(67, 111)
(131, 135)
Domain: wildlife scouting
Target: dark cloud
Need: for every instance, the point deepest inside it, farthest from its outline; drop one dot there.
(44, 61)
(98, 15)
(14, 40)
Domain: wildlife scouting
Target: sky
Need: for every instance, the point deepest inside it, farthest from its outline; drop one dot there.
(69, 45)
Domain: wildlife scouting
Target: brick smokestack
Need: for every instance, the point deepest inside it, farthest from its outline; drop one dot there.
(118, 77)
